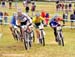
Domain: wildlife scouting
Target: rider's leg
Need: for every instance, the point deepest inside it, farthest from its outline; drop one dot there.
(21, 33)
(10, 26)
(62, 39)
(38, 34)
(55, 33)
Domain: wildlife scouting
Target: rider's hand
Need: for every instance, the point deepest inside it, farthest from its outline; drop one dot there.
(63, 25)
(59, 25)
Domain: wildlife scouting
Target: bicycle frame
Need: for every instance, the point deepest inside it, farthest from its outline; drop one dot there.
(42, 33)
(27, 38)
(16, 33)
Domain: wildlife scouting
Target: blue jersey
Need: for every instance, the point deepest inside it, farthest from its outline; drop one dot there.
(53, 23)
(13, 20)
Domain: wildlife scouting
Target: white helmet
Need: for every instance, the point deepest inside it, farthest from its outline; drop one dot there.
(37, 14)
(19, 10)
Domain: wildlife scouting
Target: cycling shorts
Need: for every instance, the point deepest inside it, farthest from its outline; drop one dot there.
(37, 25)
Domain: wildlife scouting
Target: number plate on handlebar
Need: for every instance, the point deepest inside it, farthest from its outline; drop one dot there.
(59, 28)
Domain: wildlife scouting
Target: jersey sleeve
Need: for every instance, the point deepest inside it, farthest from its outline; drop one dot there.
(41, 18)
(28, 17)
(33, 20)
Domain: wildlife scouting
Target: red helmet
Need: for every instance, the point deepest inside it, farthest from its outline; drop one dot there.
(59, 19)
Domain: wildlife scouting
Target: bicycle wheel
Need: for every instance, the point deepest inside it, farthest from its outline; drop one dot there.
(14, 34)
(30, 40)
(62, 39)
(25, 43)
(62, 42)
(17, 35)
(43, 39)
(33, 37)
(59, 38)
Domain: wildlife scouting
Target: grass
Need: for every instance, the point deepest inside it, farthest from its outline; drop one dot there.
(10, 46)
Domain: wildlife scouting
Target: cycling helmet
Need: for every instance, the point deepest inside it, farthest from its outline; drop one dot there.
(37, 14)
(19, 10)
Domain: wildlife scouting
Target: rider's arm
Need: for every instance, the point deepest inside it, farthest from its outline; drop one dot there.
(33, 20)
(53, 25)
(29, 18)
(42, 18)
(18, 22)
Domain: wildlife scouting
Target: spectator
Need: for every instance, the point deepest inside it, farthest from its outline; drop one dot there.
(1, 16)
(3, 3)
(57, 1)
(65, 17)
(27, 9)
(43, 14)
(62, 6)
(70, 6)
(71, 18)
(16, 3)
(47, 18)
(24, 3)
(57, 7)
(5, 17)
(66, 8)
(33, 8)
(10, 4)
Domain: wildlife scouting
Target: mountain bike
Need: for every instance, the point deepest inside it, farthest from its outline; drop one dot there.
(16, 33)
(60, 36)
(42, 33)
(27, 38)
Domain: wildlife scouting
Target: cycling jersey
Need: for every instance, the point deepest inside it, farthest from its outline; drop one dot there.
(13, 20)
(54, 21)
(53, 24)
(24, 18)
(37, 20)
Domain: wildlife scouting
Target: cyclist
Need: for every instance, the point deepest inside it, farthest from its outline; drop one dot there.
(1, 16)
(37, 20)
(54, 22)
(23, 20)
(13, 21)
(33, 7)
